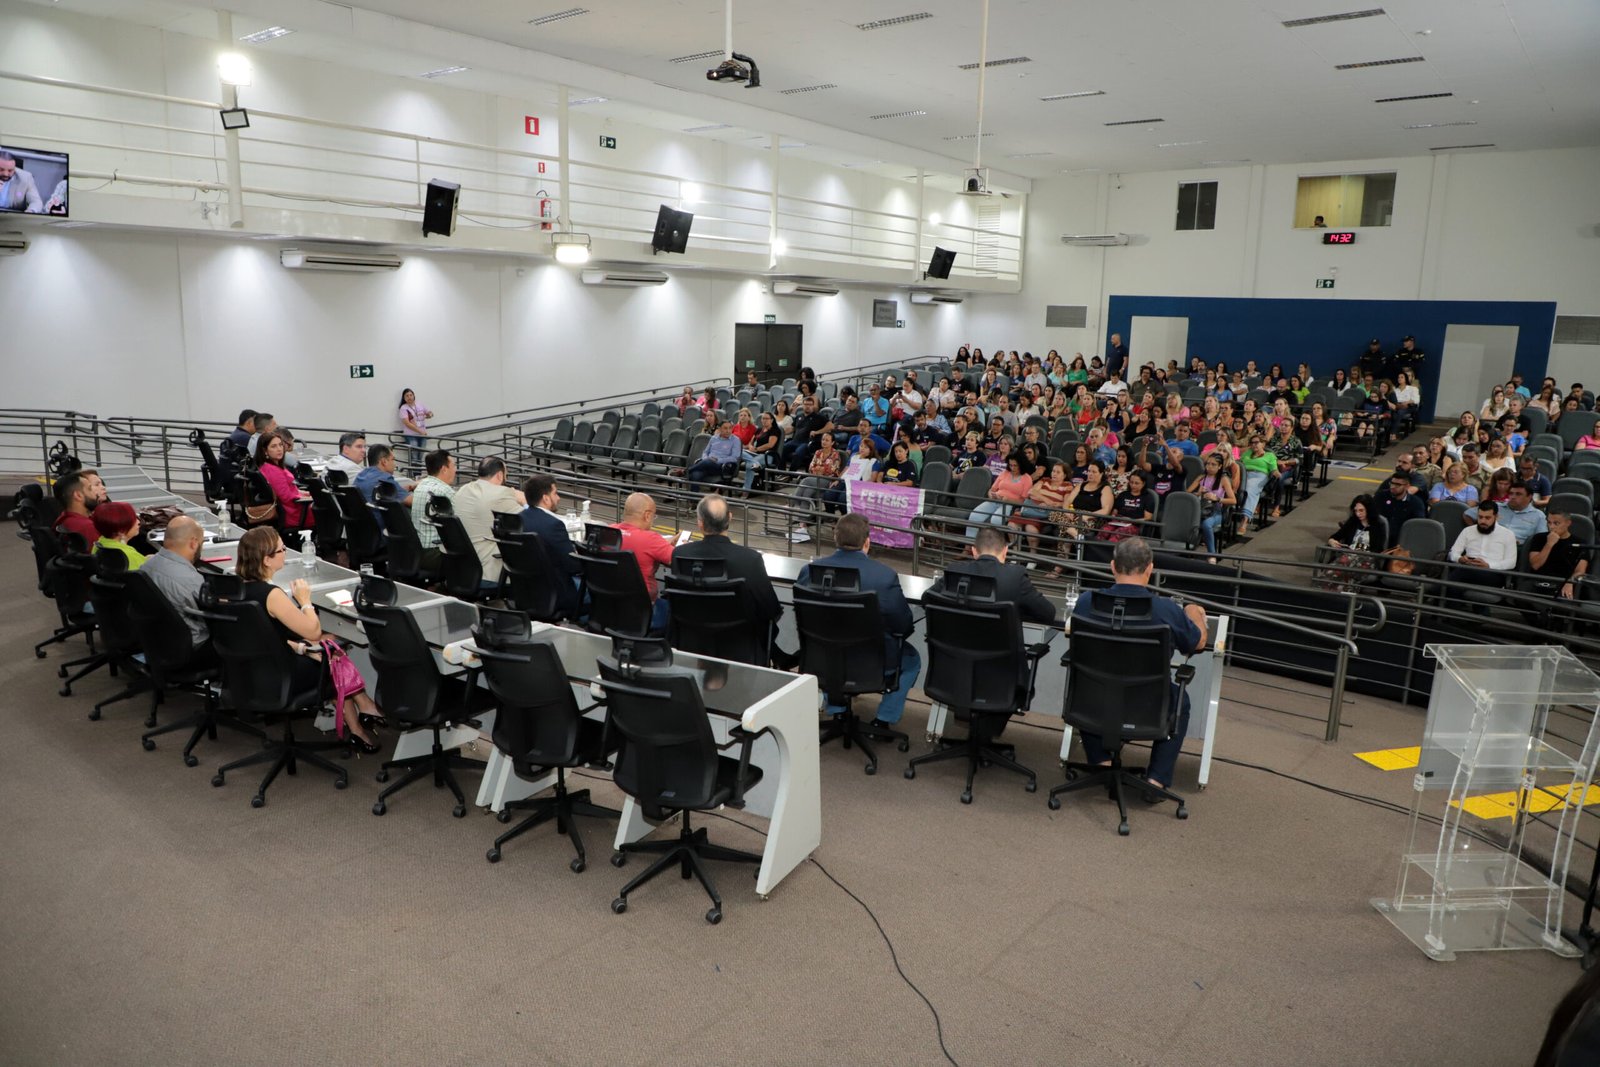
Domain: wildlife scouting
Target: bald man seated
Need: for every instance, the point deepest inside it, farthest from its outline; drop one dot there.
(649, 548)
(172, 571)
(760, 600)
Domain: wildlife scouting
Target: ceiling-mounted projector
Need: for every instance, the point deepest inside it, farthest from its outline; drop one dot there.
(976, 183)
(1094, 239)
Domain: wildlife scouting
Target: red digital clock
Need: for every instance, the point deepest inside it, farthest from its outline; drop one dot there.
(1339, 237)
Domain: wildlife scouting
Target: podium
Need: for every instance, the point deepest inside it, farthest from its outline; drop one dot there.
(1508, 753)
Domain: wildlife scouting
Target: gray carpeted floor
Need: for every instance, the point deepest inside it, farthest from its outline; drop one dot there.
(147, 918)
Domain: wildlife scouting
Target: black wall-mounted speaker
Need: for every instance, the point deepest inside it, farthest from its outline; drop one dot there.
(439, 209)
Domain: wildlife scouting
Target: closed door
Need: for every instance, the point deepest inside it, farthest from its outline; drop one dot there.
(1475, 359)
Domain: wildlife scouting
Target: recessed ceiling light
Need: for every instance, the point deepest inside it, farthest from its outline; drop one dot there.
(1378, 63)
(1134, 122)
(1222, 162)
(807, 89)
(898, 20)
(709, 128)
(1007, 62)
(1074, 96)
(1344, 16)
(1453, 147)
(441, 72)
(1415, 96)
(1179, 144)
(271, 33)
(1436, 125)
(569, 13)
(900, 115)
(698, 56)
(868, 163)
(582, 100)
(1028, 155)
(965, 137)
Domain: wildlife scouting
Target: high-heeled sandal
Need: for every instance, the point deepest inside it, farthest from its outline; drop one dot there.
(368, 747)
(371, 722)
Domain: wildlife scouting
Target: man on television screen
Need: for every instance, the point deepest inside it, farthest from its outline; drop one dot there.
(17, 190)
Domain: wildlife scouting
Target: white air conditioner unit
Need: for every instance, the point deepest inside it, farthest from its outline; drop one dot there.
(1094, 239)
(344, 262)
(935, 298)
(12, 244)
(624, 279)
(808, 289)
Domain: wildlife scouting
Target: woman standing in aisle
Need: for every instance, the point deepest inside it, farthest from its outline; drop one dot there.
(414, 425)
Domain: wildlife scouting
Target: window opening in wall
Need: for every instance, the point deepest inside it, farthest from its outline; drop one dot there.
(1341, 200)
(1197, 205)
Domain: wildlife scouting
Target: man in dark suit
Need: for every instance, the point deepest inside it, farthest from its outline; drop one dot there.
(760, 601)
(540, 517)
(853, 536)
(1011, 583)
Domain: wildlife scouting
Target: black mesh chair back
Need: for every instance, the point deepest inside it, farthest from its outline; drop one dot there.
(538, 721)
(328, 534)
(618, 599)
(1120, 686)
(409, 686)
(402, 546)
(163, 632)
(598, 537)
(46, 547)
(666, 754)
(108, 592)
(529, 575)
(841, 632)
(211, 475)
(257, 663)
(976, 654)
(333, 479)
(67, 574)
(363, 537)
(462, 569)
(711, 615)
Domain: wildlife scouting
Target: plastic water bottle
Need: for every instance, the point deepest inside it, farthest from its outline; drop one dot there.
(585, 514)
(222, 518)
(308, 556)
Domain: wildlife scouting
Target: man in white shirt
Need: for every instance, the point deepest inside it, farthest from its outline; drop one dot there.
(17, 190)
(1484, 553)
(477, 503)
(1113, 386)
(352, 457)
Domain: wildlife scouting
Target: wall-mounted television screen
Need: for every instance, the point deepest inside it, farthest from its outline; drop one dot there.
(32, 181)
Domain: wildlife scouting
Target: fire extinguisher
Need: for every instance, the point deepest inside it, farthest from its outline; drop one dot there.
(546, 210)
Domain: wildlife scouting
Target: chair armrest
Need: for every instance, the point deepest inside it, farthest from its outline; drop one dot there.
(738, 735)
(1184, 673)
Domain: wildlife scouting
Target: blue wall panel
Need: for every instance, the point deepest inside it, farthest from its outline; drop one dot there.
(1328, 334)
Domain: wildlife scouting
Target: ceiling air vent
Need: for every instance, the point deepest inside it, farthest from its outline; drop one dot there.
(1066, 316)
(1414, 96)
(569, 13)
(698, 56)
(1343, 16)
(1378, 63)
(1577, 330)
(807, 89)
(1134, 122)
(898, 20)
(1009, 61)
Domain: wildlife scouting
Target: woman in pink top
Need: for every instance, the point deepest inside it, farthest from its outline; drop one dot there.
(1009, 489)
(1588, 440)
(270, 451)
(414, 425)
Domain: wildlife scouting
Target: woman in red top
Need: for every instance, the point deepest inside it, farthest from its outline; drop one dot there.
(744, 429)
(270, 451)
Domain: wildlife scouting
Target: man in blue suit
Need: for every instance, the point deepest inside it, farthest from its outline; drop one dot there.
(852, 534)
(540, 518)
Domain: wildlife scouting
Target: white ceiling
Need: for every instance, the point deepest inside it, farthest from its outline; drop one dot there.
(1225, 73)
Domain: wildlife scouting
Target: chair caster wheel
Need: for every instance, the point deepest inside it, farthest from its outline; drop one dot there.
(503, 815)
(1032, 786)
(493, 855)
(1072, 776)
(216, 779)
(379, 808)
(150, 723)
(148, 743)
(576, 866)
(341, 783)
(66, 691)
(1183, 811)
(381, 776)
(619, 906)
(714, 916)
(39, 653)
(258, 801)
(904, 746)
(872, 768)
(618, 859)
(61, 672)
(459, 811)
(191, 761)
(911, 772)
(1122, 830)
(1054, 803)
(966, 798)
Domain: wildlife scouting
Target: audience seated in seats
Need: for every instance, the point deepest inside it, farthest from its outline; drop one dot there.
(1556, 561)
(1484, 552)
(810, 428)
(1473, 470)
(1398, 503)
(240, 435)
(116, 523)
(1130, 506)
(263, 423)
(1518, 514)
(649, 548)
(440, 481)
(1496, 406)
(1499, 456)
(1454, 487)
(863, 428)
(1538, 485)
(79, 492)
(380, 471)
(852, 534)
(352, 457)
(1008, 491)
(261, 556)
(860, 467)
(720, 459)
(172, 571)
(1258, 465)
(825, 467)
(1132, 565)
(1091, 501)
(541, 498)
(761, 450)
(1424, 467)
(1046, 502)
(1286, 446)
(1362, 530)
(739, 563)
(476, 505)
(271, 448)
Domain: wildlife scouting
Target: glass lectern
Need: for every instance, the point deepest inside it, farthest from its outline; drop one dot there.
(1507, 757)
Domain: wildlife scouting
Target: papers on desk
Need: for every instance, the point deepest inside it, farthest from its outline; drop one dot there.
(339, 598)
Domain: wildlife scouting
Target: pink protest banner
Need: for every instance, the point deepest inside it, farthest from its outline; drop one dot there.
(890, 509)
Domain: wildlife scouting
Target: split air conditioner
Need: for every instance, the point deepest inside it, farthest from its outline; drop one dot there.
(918, 297)
(807, 289)
(624, 279)
(1094, 239)
(344, 262)
(12, 244)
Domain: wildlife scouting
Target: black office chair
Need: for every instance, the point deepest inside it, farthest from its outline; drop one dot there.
(212, 480)
(842, 643)
(530, 578)
(121, 643)
(63, 585)
(979, 668)
(1121, 689)
(413, 693)
(618, 600)
(258, 680)
(460, 568)
(668, 760)
(402, 546)
(69, 575)
(362, 535)
(711, 614)
(539, 725)
(328, 533)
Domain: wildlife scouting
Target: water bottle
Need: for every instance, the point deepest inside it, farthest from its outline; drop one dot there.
(367, 571)
(585, 514)
(222, 518)
(308, 555)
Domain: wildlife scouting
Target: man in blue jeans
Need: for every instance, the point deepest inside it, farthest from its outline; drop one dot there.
(852, 534)
(1131, 567)
(720, 459)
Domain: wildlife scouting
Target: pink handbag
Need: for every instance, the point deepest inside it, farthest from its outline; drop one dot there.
(346, 678)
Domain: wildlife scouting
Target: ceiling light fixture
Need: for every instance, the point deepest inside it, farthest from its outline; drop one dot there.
(569, 13)
(235, 68)
(572, 248)
(898, 20)
(966, 136)
(1453, 147)
(710, 127)
(1378, 63)
(1029, 155)
(807, 89)
(1416, 96)
(900, 114)
(582, 100)
(442, 71)
(935, 219)
(1222, 162)
(1073, 96)
(1345, 16)
(1010, 61)
(1133, 122)
(271, 33)
(1436, 125)
(1178, 144)
(698, 56)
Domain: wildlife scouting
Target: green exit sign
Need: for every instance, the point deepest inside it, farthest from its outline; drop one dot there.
(769, 319)
(361, 370)
(1324, 283)
(607, 142)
